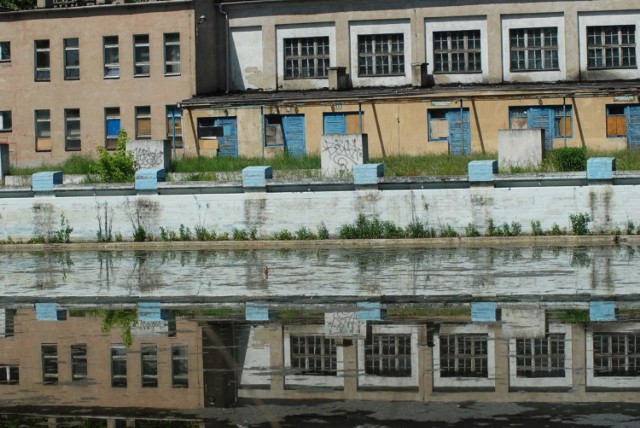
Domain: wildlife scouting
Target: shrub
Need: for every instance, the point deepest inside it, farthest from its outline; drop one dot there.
(63, 234)
(140, 234)
(580, 223)
(471, 231)
(283, 235)
(202, 234)
(516, 229)
(492, 230)
(569, 159)
(631, 227)
(416, 230)
(556, 230)
(185, 233)
(117, 166)
(239, 234)
(448, 232)
(323, 232)
(536, 228)
(304, 234)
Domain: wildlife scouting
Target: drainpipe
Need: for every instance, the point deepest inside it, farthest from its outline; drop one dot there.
(226, 47)
(360, 117)
(564, 119)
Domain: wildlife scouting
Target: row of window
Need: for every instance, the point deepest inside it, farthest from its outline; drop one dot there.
(79, 366)
(531, 49)
(111, 57)
(112, 127)
(466, 355)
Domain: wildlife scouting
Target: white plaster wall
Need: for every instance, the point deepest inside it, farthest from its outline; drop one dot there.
(614, 382)
(246, 58)
(365, 380)
(466, 382)
(544, 382)
(458, 24)
(255, 371)
(304, 30)
(380, 27)
(533, 21)
(607, 18)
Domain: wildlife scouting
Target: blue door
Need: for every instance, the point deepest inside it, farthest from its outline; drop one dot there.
(294, 138)
(633, 126)
(334, 123)
(542, 118)
(228, 143)
(459, 132)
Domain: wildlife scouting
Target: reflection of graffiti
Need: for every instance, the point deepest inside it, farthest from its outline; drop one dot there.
(145, 157)
(343, 151)
(340, 324)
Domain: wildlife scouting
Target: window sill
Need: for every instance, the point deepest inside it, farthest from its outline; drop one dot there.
(634, 67)
(6, 130)
(66, 149)
(111, 77)
(141, 75)
(44, 151)
(534, 70)
(42, 80)
(71, 78)
(457, 72)
(5, 61)
(172, 74)
(381, 75)
(307, 78)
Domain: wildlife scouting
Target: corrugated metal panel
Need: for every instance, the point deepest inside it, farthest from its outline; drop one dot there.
(228, 144)
(633, 126)
(459, 132)
(294, 138)
(542, 118)
(334, 123)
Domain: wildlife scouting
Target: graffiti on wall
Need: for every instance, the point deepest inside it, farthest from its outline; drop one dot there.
(340, 152)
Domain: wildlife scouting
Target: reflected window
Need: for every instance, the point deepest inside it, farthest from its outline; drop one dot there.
(179, 366)
(540, 357)
(49, 364)
(314, 355)
(464, 355)
(9, 375)
(388, 355)
(118, 366)
(149, 364)
(78, 362)
(616, 354)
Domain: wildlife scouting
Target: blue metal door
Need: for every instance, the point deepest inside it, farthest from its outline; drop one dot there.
(459, 132)
(542, 118)
(633, 126)
(294, 138)
(228, 143)
(334, 123)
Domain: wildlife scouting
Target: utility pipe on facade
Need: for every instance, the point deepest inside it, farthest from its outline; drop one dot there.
(564, 120)
(226, 47)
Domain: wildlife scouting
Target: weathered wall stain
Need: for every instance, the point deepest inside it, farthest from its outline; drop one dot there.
(44, 221)
(144, 212)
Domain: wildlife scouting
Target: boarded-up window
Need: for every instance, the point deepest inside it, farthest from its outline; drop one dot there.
(207, 128)
(43, 130)
(353, 123)
(518, 118)
(143, 122)
(273, 133)
(562, 121)
(616, 121)
(438, 125)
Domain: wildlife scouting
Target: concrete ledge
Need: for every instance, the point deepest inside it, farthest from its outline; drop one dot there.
(601, 168)
(367, 174)
(44, 181)
(256, 176)
(482, 171)
(148, 178)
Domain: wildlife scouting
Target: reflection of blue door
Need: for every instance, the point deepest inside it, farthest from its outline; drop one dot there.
(228, 142)
(459, 132)
(542, 118)
(633, 125)
(334, 123)
(294, 138)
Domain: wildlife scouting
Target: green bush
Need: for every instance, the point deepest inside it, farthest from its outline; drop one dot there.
(556, 230)
(569, 159)
(448, 232)
(283, 235)
(471, 231)
(323, 232)
(304, 234)
(62, 235)
(631, 227)
(117, 166)
(416, 230)
(140, 234)
(185, 233)
(202, 234)
(580, 223)
(536, 228)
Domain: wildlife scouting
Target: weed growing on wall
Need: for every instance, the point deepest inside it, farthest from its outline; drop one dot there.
(140, 234)
(63, 234)
(448, 232)
(202, 234)
(323, 232)
(471, 231)
(556, 230)
(244, 235)
(631, 227)
(104, 215)
(116, 166)
(283, 235)
(185, 233)
(124, 319)
(580, 223)
(304, 234)
(536, 228)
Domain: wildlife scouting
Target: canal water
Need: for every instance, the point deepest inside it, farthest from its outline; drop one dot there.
(339, 337)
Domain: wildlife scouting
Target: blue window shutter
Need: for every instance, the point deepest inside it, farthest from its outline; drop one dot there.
(228, 144)
(113, 127)
(633, 126)
(294, 138)
(334, 123)
(459, 132)
(542, 118)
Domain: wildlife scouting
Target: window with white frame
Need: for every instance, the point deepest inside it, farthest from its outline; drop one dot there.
(616, 354)
(5, 51)
(172, 53)
(78, 362)
(43, 130)
(457, 52)
(541, 357)
(179, 366)
(49, 364)
(611, 46)
(111, 57)
(381, 54)
(71, 59)
(388, 355)
(42, 60)
(149, 365)
(141, 58)
(5, 120)
(143, 123)
(534, 49)
(9, 375)
(314, 355)
(72, 129)
(306, 57)
(118, 366)
(464, 355)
